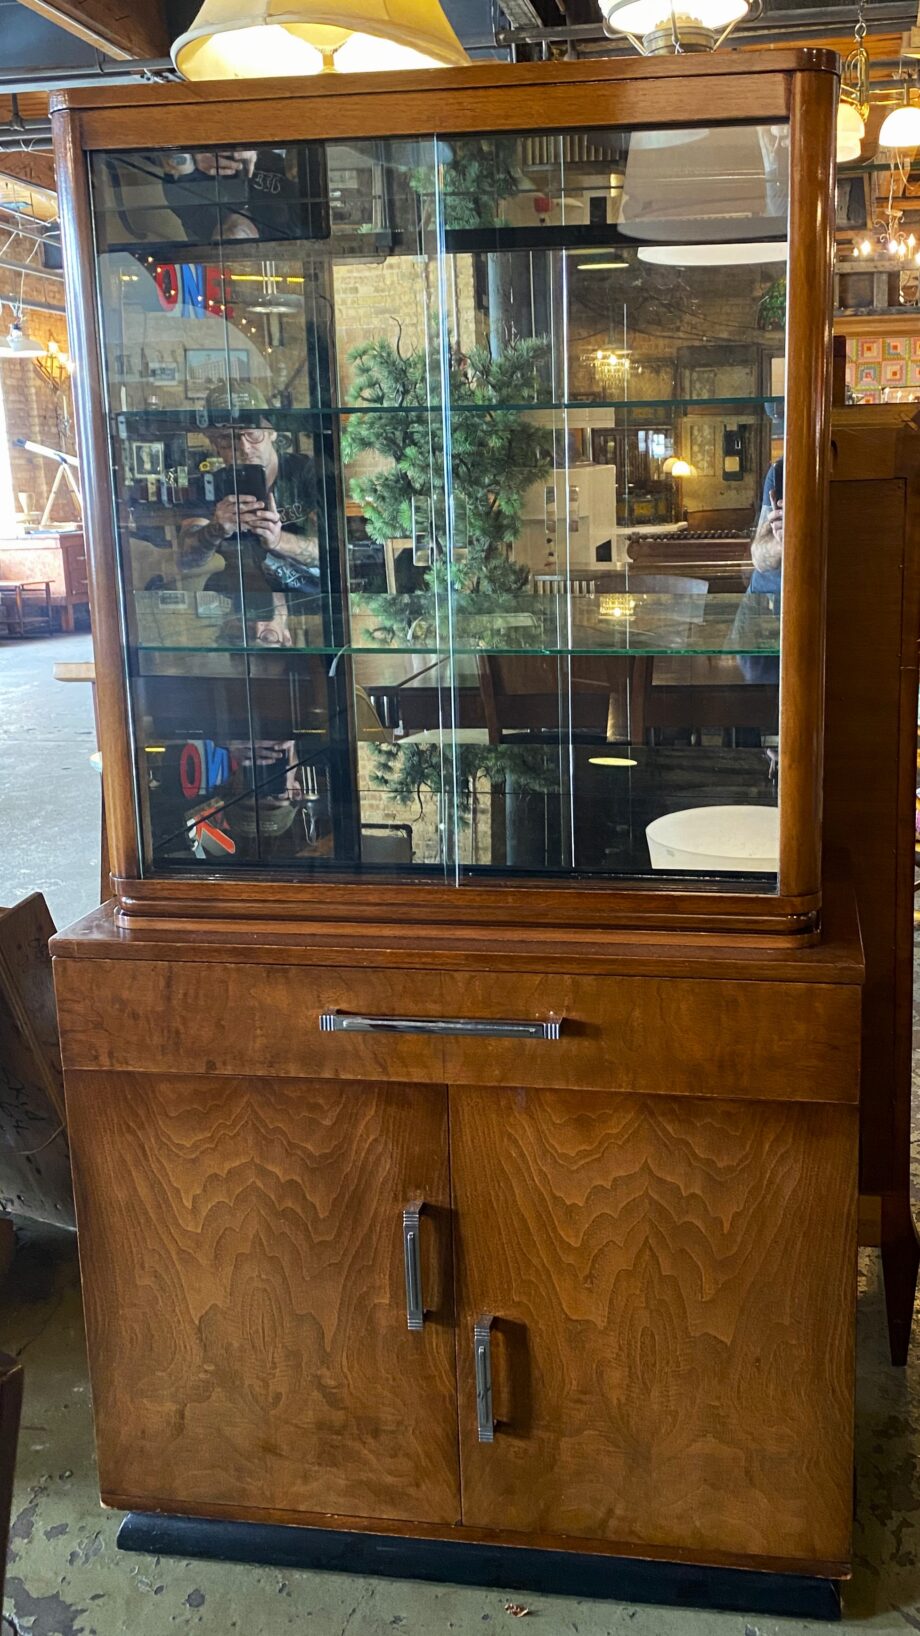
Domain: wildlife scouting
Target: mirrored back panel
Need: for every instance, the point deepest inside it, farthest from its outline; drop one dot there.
(449, 500)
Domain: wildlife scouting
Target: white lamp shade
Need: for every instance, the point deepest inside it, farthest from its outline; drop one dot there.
(646, 16)
(720, 184)
(754, 254)
(258, 39)
(901, 128)
(19, 345)
(848, 149)
(850, 122)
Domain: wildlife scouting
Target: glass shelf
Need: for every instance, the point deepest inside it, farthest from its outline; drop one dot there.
(524, 410)
(292, 419)
(630, 626)
(633, 650)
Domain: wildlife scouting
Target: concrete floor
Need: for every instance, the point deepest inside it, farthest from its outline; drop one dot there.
(49, 793)
(65, 1577)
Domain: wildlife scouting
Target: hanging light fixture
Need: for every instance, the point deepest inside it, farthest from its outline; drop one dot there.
(656, 27)
(901, 128)
(853, 107)
(720, 198)
(18, 344)
(258, 39)
(851, 128)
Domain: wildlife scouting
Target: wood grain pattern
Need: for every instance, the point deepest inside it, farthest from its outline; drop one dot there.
(34, 1163)
(537, 905)
(681, 1036)
(673, 1284)
(454, 106)
(835, 958)
(117, 27)
(242, 1263)
(98, 506)
(808, 387)
(28, 985)
(487, 74)
(871, 709)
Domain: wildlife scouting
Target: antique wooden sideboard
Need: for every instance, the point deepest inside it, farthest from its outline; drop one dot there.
(464, 1118)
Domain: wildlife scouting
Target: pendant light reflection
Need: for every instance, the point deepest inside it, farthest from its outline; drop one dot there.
(719, 197)
(715, 255)
(690, 25)
(258, 39)
(20, 345)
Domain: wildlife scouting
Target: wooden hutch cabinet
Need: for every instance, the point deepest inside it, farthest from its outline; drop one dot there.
(463, 1078)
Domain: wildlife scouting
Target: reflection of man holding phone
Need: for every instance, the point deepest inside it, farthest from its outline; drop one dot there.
(264, 519)
(244, 193)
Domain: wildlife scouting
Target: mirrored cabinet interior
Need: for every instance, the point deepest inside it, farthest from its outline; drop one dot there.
(448, 507)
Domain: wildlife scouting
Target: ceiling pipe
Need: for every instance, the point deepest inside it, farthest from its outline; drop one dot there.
(29, 305)
(30, 272)
(772, 26)
(141, 71)
(37, 140)
(50, 230)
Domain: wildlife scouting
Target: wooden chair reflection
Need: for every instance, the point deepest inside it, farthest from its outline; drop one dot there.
(600, 696)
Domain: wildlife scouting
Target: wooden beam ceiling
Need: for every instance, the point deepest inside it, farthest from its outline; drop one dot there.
(35, 170)
(122, 28)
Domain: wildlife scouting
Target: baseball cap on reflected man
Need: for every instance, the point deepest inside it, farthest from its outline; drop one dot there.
(241, 403)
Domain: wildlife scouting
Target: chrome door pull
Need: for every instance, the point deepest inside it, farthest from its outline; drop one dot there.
(415, 1305)
(346, 1022)
(482, 1355)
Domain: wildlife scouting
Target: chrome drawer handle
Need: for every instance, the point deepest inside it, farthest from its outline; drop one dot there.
(415, 1306)
(482, 1357)
(344, 1022)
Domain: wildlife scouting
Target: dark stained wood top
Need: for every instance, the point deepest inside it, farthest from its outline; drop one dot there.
(836, 958)
(438, 80)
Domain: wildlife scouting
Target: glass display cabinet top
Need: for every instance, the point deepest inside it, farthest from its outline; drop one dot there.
(449, 493)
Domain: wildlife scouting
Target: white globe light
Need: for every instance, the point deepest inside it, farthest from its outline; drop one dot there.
(848, 149)
(901, 129)
(850, 121)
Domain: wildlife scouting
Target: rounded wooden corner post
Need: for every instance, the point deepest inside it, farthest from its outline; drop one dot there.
(96, 488)
(812, 176)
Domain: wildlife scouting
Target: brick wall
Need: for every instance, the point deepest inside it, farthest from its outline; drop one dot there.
(36, 412)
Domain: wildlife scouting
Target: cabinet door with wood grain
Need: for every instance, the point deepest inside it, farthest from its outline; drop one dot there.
(243, 1258)
(657, 1295)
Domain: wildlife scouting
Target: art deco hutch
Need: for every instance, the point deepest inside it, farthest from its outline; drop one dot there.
(463, 1078)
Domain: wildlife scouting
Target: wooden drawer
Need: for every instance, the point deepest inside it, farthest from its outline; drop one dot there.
(678, 1035)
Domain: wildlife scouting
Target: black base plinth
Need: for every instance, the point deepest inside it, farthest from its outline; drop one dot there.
(503, 1567)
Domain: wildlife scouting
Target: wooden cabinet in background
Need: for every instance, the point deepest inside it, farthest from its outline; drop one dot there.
(871, 776)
